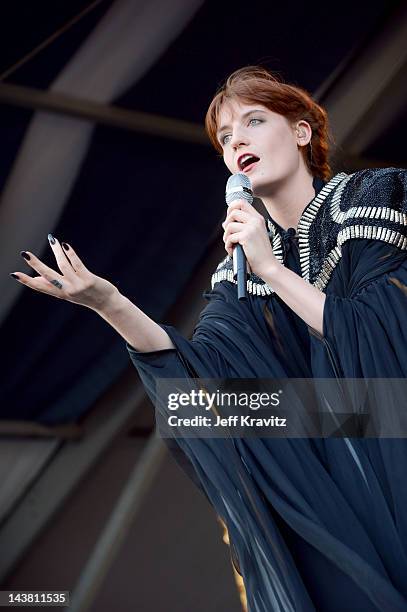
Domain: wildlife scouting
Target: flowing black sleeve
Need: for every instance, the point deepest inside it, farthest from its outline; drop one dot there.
(217, 349)
(230, 340)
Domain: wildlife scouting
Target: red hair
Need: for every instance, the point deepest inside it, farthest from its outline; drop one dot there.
(255, 84)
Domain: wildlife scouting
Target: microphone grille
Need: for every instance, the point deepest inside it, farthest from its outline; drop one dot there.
(238, 187)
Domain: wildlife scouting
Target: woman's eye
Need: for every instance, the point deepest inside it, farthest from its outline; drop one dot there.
(226, 137)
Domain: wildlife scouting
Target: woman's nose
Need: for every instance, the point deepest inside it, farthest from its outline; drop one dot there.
(238, 139)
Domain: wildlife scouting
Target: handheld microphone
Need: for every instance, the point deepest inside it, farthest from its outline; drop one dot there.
(239, 187)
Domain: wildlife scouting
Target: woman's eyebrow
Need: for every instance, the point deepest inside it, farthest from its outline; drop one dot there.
(227, 127)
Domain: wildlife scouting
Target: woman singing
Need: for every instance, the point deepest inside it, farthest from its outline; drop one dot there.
(315, 524)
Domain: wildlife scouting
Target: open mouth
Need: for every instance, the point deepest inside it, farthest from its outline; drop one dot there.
(246, 161)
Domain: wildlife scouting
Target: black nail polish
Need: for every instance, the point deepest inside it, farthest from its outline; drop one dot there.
(65, 246)
(14, 275)
(25, 255)
(51, 239)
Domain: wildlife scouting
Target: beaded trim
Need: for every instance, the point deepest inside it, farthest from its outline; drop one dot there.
(328, 267)
(333, 238)
(374, 232)
(308, 217)
(253, 286)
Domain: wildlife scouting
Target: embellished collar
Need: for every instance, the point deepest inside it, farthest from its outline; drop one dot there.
(306, 244)
(317, 184)
(365, 204)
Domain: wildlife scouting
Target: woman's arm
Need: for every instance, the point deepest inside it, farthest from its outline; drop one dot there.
(303, 298)
(75, 283)
(141, 332)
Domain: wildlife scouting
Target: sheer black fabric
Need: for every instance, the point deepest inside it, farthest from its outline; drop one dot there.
(315, 524)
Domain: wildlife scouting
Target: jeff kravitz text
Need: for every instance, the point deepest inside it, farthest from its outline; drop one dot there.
(230, 421)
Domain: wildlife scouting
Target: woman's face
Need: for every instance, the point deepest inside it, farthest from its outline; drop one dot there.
(269, 137)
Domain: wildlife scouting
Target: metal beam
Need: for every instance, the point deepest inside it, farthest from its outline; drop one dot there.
(113, 116)
(69, 465)
(366, 96)
(117, 526)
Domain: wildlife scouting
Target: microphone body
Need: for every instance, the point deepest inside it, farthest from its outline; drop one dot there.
(239, 187)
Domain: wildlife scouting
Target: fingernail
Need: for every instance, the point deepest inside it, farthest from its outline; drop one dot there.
(25, 255)
(51, 239)
(65, 246)
(14, 275)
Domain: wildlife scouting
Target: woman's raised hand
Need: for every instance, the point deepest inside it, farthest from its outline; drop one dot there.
(74, 282)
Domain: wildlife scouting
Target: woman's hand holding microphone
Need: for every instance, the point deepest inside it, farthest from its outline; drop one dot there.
(246, 226)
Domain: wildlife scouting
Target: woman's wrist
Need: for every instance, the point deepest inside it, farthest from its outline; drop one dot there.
(112, 304)
(135, 327)
(270, 271)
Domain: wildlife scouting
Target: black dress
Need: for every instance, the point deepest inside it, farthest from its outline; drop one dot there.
(316, 524)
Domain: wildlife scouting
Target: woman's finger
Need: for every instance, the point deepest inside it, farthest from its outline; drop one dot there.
(230, 220)
(242, 205)
(37, 265)
(76, 262)
(232, 240)
(64, 264)
(237, 214)
(40, 283)
(232, 228)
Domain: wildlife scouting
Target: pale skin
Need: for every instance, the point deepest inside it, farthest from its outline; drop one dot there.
(81, 286)
(280, 179)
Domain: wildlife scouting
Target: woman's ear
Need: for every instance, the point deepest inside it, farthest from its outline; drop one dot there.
(303, 132)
